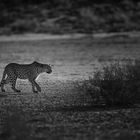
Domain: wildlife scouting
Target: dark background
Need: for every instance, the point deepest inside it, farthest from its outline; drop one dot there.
(68, 16)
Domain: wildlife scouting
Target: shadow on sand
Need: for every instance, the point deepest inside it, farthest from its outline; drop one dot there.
(2, 95)
(81, 108)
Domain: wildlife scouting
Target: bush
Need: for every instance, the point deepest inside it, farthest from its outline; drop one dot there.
(118, 84)
(89, 20)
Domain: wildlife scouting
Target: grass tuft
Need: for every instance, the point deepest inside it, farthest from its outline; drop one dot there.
(117, 84)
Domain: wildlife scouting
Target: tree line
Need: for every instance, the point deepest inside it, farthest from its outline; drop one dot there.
(11, 3)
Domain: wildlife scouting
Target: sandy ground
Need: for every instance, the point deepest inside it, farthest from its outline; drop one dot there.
(74, 58)
(31, 37)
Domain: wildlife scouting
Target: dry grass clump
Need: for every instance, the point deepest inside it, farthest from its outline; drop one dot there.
(117, 84)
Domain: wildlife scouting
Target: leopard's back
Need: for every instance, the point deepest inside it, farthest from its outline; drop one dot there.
(21, 71)
(27, 71)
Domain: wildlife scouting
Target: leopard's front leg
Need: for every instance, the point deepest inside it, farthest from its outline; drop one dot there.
(34, 84)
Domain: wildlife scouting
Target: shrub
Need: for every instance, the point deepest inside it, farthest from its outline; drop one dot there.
(118, 84)
(23, 25)
(89, 20)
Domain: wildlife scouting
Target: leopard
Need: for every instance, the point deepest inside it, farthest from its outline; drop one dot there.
(14, 71)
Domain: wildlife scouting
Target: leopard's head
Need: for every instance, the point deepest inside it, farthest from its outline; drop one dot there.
(48, 68)
(43, 67)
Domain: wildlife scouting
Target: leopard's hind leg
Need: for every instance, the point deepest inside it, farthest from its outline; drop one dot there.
(9, 80)
(13, 80)
(3, 81)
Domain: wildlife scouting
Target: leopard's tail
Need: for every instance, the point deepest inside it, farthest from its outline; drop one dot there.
(3, 78)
